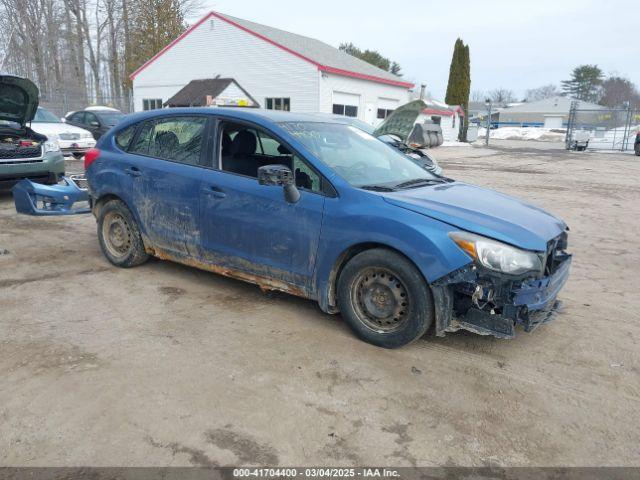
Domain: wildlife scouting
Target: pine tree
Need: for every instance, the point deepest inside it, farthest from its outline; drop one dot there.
(585, 83)
(153, 25)
(459, 86)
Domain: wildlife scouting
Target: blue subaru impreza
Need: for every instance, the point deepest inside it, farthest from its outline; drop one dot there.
(320, 209)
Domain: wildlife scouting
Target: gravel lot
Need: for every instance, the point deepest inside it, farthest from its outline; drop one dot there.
(166, 365)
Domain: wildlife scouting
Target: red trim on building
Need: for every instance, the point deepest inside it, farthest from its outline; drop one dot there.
(433, 111)
(323, 68)
(362, 76)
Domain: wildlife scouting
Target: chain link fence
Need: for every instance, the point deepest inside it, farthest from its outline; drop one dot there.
(63, 102)
(606, 129)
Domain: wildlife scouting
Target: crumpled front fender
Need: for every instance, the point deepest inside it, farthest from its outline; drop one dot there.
(32, 198)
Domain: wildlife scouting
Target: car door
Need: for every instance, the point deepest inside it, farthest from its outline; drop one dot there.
(76, 119)
(165, 162)
(250, 227)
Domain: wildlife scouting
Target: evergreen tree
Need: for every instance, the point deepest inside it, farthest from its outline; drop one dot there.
(459, 86)
(371, 56)
(153, 25)
(584, 84)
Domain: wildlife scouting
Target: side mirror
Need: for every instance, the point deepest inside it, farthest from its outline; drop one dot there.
(94, 124)
(281, 176)
(63, 120)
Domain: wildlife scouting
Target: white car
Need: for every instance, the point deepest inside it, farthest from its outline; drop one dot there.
(72, 140)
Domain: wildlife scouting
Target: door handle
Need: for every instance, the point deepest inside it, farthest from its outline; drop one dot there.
(133, 171)
(214, 191)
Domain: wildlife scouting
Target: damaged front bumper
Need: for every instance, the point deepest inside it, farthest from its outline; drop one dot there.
(488, 303)
(66, 198)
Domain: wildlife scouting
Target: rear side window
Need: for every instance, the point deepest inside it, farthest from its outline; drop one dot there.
(178, 139)
(123, 138)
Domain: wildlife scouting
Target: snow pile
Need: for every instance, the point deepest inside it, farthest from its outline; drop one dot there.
(524, 133)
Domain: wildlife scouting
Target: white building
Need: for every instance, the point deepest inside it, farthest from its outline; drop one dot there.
(449, 117)
(281, 70)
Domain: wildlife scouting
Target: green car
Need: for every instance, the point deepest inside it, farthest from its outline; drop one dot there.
(23, 152)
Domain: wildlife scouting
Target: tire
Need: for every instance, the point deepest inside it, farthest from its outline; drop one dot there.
(384, 298)
(637, 149)
(119, 235)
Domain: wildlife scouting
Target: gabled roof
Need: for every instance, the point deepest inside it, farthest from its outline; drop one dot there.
(320, 54)
(194, 93)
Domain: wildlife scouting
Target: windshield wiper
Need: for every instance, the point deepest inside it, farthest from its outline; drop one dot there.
(377, 188)
(419, 181)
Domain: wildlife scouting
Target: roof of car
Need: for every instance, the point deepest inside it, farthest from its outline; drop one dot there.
(250, 114)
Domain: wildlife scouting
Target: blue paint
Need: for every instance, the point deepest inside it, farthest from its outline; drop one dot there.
(231, 221)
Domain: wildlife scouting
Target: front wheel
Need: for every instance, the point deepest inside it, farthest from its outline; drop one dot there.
(384, 298)
(119, 236)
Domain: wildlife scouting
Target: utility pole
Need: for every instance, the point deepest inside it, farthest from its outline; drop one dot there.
(486, 137)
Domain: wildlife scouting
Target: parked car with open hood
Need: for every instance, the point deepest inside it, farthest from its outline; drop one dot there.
(419, 155)
(97, 120)
(319, 209)
(24, 153)
(72, 140)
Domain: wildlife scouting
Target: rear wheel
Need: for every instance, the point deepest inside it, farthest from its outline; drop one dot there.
(119, 235)
(637, 147)
(384, 298)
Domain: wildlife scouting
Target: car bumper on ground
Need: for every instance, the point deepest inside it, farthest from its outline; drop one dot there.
(67, 198)
(490, 304)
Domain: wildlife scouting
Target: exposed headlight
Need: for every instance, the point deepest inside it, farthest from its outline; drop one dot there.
(51, 145)
(496, 255)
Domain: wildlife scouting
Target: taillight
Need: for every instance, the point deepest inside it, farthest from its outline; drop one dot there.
(90, 157)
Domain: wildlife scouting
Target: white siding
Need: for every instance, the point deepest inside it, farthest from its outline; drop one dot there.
(218, 48)
(371, 95)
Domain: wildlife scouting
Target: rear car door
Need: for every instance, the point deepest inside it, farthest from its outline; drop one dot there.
(166, 168)
(251, 227)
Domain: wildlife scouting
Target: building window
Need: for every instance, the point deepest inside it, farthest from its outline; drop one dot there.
(384, 113)
(278, 104)
(346, 110)
(151, 103)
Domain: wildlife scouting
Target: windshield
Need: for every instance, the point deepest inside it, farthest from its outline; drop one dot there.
(45, 116)
(110, 118)
(359, 158)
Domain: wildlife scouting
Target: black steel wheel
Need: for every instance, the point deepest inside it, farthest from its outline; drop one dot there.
(384, 298)
(119, 236)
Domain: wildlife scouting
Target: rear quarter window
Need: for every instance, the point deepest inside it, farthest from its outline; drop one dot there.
(123, 138)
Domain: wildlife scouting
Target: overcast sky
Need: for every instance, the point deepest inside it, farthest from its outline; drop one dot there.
(514, 44)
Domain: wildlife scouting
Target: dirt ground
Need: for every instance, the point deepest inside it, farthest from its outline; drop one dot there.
(164, 365)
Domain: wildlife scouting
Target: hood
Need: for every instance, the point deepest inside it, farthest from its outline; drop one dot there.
(401, 120)
(50, 128)
(482, 211)
(18, 99)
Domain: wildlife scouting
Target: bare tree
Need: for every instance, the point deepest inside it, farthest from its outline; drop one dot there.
(502, 95)
(540, 93)
(478, 96)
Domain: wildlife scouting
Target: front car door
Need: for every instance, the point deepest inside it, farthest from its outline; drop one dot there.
(166, 167)
(250, 227)
(92, 123)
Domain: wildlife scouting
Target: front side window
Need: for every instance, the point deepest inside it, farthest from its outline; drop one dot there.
(90, 119)
(359, 158)
(346, 110)
(244, 149)
(272, 103)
